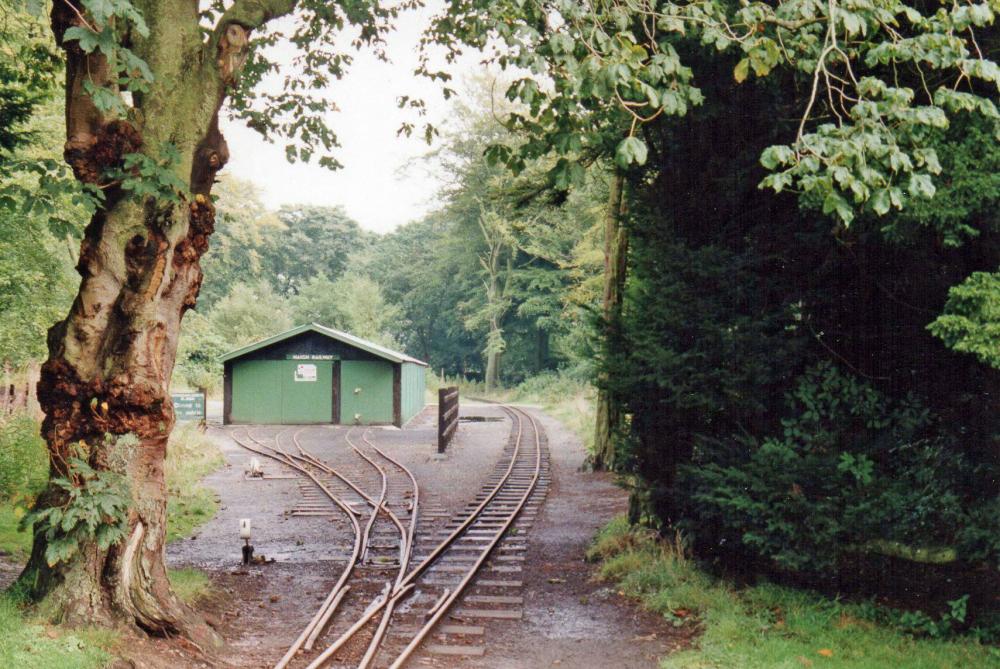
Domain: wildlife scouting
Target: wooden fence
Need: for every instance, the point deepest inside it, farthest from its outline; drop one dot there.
(447, 416)
(17, 391)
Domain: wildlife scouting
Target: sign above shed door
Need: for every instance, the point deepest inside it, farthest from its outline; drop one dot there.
(305, 373)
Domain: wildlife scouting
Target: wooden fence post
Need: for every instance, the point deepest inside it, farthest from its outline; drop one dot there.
(447, 416)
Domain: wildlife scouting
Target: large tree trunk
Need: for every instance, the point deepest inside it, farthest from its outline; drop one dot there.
(494, 337)
(492, 370)
(496, 295)
(110, 360)
(615, 257)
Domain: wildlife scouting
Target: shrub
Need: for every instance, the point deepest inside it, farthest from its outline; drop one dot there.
(852, 472)
(24, 460)
(198, 353)
(96, 505)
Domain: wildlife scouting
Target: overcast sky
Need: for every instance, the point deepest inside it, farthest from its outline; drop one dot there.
(371, 186)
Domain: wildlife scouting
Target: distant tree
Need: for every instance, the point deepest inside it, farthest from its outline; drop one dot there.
(312, 239)
(198, 352)
(434, 269)
(35, 287)
(423, 271)
(353, 303)
(496, 261)
(28, 74)
(244, 232)
(250, 312)
(40, 218)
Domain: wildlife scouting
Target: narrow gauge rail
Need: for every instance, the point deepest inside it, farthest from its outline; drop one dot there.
(302, 463)
(406, 543)
(302, 466)
(367, 535)
(486, 523)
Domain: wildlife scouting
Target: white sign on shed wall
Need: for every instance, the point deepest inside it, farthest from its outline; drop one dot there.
(305, 372)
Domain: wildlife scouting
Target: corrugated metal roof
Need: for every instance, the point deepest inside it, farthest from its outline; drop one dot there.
(344, 337)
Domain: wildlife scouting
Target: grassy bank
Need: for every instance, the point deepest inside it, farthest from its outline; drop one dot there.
(190, 585)
(190, 456)
(765, 626)
(24, 468)
(13, 541)
(26, 641)
(565, 398)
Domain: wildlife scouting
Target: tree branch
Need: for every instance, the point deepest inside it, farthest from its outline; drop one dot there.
(252, 14)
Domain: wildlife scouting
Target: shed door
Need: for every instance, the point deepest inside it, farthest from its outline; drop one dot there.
(256, 392)
(365, 391)
(306, 391)
(282, 391)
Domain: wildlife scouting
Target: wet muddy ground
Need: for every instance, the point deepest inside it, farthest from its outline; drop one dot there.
(267, 605)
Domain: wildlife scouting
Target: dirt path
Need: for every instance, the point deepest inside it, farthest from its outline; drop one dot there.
(570, 620)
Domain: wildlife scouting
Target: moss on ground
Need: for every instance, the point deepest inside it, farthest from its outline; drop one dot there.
(765, 626)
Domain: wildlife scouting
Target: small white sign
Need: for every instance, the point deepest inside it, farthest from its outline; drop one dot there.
(305, 373)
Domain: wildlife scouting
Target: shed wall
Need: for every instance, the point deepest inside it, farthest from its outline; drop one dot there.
(414, 385)
(261, 386)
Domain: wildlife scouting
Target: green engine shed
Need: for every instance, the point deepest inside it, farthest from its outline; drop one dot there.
(315, 374)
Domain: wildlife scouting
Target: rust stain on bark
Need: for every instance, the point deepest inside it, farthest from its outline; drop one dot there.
(91, 156)
(132, 407)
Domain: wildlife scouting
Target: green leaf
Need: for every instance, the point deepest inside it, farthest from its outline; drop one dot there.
(741, 71)
(834, 203)
(774, 156)
(87, 38)
(630, 150)
(880, 202)
(920, 185)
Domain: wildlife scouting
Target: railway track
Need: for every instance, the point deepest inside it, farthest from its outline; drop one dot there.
(439, 587)
(305, 468)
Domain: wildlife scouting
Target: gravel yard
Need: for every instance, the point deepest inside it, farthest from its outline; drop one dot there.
(567, 618)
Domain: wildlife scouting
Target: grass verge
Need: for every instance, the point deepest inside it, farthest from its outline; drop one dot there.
(12, 540)
(190, 585)
(764, 626)
(27, 643)
(24, 467)
(561, 395)
(190, 456)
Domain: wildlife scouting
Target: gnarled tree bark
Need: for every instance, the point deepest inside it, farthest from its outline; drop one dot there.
(608, 415)
(139, 263)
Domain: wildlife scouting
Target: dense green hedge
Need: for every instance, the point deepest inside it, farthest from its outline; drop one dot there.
(852, 472)
(788, 401)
